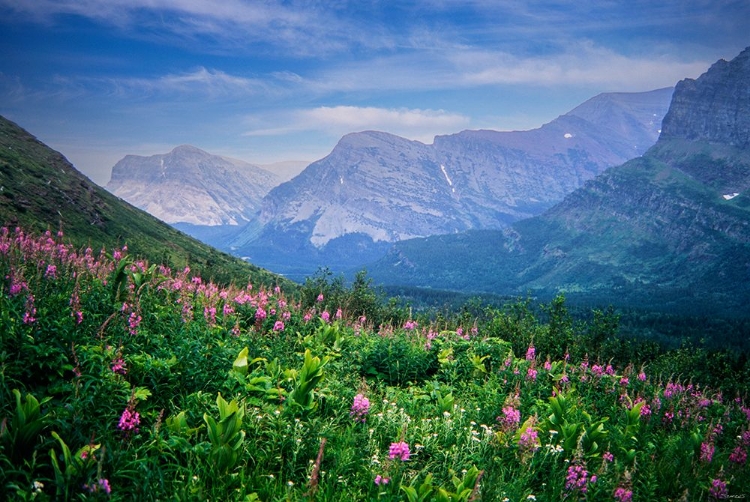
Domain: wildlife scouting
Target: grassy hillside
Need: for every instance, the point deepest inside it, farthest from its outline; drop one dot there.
(42, 191)
(127, 381)
(654, 232)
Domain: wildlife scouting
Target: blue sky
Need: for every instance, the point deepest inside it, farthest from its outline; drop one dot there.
(267, 81)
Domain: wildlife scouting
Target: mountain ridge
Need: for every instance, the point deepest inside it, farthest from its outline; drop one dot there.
(189, 185)
(671, 227)
(378, 188)
(40, 190)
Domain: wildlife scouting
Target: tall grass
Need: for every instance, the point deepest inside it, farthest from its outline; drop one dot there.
(126, 380)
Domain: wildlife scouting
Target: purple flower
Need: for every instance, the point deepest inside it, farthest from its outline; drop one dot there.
(718, 489)
(607, 456)
(118, 366)
(325, 316)
(530, 353)
(511, 417)
(129, 421)
(51, 272)
(320, 297)
(707, 452)
(278, 326)
(531, 374)
(260, 314)
(738, 455)
(399, 450)
(578, 479)
(623, 494)
(360, 408)
(104, 485)
(381, 480)
(101, 485)
(529, 440)
(133, 322)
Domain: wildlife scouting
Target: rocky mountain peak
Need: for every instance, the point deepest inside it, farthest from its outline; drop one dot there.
(715, 107)
(190, 185)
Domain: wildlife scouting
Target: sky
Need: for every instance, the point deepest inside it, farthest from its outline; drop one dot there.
(267, 81)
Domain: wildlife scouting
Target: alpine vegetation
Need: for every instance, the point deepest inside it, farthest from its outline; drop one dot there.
(126, 380)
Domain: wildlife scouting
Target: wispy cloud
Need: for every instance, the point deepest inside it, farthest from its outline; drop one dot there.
(582, 64)
(421, 125)
(300, 28)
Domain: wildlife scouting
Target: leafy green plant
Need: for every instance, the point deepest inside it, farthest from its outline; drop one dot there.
(225, 435)
(398, 360)
(25, 427)
(75, 467)
(302, 398)
(463, 490)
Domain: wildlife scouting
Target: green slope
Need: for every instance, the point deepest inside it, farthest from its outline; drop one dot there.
(655, 231)
(41, 190)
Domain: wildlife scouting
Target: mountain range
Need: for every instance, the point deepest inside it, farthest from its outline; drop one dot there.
(188, 185)
(670, 228)
(40, 190)
(376, 188)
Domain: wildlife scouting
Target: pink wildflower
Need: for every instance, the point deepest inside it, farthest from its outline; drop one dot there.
(623, 494)
(28, 316)
(511, 417)
(118, 366)
(578, 479)
(530, 353)
(101, 485)
(51, 272)
(325, 316)
(381, 480)
(133, 322)
(707, 452)
(399, 450)
(531, 374)
(278, 326)
(718, 489)
(738, 455)
(129, 421)
(529, 440)
(360, 408)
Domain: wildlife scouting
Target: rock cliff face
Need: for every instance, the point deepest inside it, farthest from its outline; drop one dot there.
(388, 188)
(188, 185)
(715, 107)
(670, 227)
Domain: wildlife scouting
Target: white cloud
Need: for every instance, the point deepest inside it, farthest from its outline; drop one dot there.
(416, 124)
(582, 64)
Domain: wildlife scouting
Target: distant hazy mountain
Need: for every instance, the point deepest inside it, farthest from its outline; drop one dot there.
(376, 188)
(40, 190)
(670, 228)
(188, 185)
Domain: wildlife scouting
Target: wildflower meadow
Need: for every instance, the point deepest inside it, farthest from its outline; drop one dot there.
(126, 380)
